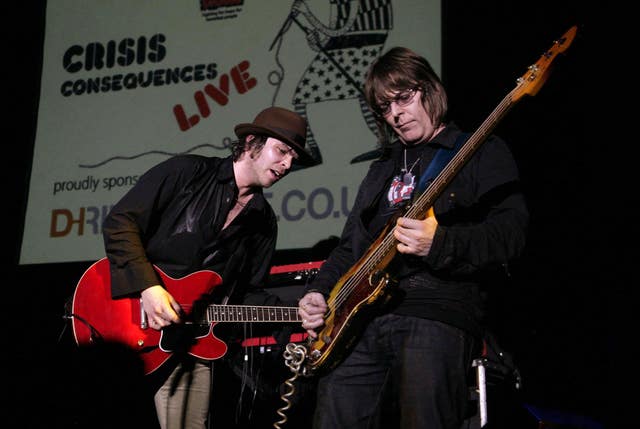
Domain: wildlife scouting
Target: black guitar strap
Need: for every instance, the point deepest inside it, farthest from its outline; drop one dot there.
(439, 161)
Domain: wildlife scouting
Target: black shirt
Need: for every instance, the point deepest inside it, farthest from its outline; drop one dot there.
(173, 218)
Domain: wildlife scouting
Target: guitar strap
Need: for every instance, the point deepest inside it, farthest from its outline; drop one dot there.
(439, 161)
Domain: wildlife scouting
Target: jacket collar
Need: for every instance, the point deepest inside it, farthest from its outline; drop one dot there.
(447, 137)
(225, 172)
(226, 175)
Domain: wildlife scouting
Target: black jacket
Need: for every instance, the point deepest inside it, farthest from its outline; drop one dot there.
(173, 218)
(482, 222)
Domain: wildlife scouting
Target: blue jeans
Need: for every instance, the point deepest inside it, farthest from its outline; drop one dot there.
(405, 372)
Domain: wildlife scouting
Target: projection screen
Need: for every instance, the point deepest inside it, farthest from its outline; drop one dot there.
(127, 84)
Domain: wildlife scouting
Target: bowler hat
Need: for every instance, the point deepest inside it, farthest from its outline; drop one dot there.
(283, 125)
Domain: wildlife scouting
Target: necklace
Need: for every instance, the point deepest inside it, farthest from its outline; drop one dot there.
(407, 177)
(403, 184)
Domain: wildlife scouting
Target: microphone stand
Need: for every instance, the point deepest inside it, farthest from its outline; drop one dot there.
(283, 29)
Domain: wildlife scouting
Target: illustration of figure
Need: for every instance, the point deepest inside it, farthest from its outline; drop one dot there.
(354, 37)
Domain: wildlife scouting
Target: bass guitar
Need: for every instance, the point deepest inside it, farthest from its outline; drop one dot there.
(96, 317)
(368, 284)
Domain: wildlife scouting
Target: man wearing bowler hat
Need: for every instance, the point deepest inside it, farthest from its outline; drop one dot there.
(192, 213)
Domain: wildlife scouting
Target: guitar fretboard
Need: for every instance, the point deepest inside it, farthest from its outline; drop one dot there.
(250, 313)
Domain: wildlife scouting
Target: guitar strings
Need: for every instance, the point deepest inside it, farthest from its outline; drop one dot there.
(467, 149)
(249, 313)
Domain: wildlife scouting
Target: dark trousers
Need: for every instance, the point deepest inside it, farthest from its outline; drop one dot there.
(405, 372)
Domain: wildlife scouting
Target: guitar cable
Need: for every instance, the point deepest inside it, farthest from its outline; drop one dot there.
(294, 357)
(69, 315)
(247, 371)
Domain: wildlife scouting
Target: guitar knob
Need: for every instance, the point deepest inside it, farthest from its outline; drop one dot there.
(140, 343)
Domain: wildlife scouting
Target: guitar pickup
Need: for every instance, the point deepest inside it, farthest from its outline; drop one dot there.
(144, 323)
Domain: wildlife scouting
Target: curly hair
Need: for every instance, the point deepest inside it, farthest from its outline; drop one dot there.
(238, 147)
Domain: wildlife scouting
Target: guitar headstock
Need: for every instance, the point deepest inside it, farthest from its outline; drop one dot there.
(531, 82)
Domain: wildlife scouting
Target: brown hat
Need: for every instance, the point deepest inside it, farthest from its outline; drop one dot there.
(281, 124)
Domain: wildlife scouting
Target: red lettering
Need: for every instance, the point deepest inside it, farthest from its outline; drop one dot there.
(183, 122)
(201, 102)
(220, 95)
(242, 82)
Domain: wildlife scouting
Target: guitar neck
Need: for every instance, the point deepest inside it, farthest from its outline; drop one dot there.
(386, 243)
(251, 313)
(528, 84)
(384, 248)
(427, 199)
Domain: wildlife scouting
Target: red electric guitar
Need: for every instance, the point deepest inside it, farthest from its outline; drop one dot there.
(96, 317)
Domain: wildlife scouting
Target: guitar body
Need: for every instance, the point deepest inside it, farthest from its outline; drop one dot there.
(360, 292)
(97, 317)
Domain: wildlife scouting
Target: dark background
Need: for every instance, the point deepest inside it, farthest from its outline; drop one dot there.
(550, 315)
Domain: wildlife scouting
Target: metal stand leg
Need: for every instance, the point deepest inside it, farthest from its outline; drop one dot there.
(482, 390)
